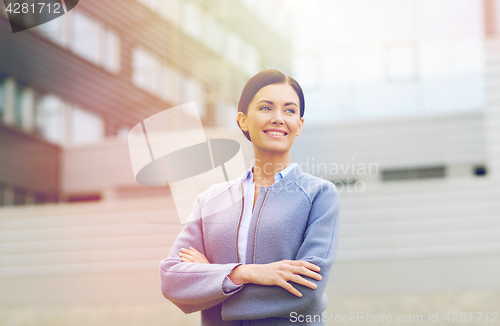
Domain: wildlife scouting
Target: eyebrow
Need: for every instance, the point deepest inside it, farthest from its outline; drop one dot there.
(272, 103)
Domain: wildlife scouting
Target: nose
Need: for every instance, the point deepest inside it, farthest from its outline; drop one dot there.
(277, 118)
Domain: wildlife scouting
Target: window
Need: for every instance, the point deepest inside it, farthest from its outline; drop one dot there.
(122, 132)
(146, 71)
(173, 86)
(213, 35)
(50, 118)
(111, 51)
(86, 37)
(153, 4)
(156, 77)
(19, 106)
(233, 49)
(417, 173)
(251, 62)
(86, 127)
(57, 30)
(192, 91)
(170, 84)
(192, 17)
(170, 9)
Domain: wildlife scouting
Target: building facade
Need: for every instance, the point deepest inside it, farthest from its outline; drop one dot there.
(102, 67)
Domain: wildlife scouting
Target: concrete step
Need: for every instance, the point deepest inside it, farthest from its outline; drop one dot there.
(420, 252)
(416, 214)
(165, 238)
(421, 226)
(84, 268)
(82, 232)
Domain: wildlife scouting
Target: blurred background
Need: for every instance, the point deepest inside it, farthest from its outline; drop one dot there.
(402, 114)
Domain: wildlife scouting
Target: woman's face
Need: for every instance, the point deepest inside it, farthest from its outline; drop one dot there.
(273, 118)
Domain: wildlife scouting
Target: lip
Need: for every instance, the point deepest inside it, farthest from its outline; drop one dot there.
(276, 136)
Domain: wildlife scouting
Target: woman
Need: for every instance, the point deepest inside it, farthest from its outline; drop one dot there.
(264, 260)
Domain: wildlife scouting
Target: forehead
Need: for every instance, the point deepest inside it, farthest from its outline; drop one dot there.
(277, 93)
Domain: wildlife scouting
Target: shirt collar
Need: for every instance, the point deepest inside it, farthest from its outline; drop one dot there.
(278, 176)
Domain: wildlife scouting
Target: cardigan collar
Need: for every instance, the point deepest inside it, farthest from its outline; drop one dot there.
(292, 175)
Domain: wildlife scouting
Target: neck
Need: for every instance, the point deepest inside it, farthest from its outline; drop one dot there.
(267, 164)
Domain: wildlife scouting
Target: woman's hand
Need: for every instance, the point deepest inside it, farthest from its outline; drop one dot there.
(277, 273)
(192, 255)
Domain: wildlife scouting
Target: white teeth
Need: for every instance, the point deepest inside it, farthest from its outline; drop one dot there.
(276, 133)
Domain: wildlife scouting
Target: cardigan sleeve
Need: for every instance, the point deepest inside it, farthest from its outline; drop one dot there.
(319, 247)
(193, 286)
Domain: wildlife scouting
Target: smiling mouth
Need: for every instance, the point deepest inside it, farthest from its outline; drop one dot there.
(275, 134)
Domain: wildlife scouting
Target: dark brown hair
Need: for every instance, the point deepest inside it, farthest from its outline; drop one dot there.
(262, 79)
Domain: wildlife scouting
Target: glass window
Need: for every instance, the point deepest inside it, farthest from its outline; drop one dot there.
(50, 117)
(191, 19)
(19, 106)
(251, 60)
(122, 132)
(145, 70)
(173, 90)
(170, 9)
(85, 37)
(111, 55)
(233, 48)
(153, 4)
(192, 91)
(54, 30)
(85, 127)
(213, 34)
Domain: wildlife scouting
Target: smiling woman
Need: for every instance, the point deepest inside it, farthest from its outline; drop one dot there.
(266, 257)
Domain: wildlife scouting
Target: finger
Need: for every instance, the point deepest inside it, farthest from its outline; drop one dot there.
(307, 265)
(200, 256)
(193, 252)
(187, 251)
(300, 280)
(287, 286)
(301, 270)
(188, 257)
(186, 260)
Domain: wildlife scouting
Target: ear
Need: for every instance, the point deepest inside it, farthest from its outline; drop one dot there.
(242, 121)
(300, 126)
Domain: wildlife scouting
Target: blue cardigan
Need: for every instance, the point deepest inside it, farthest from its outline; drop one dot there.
(297, 218)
